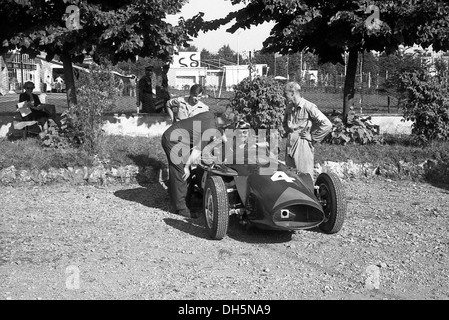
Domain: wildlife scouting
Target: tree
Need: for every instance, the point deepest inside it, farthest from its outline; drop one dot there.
(209, 59)
(188, 49)
(115, 31)
(330, 28)
(265, 58)
(395, 65)
(224, 56)
(426, 105)
(227, 54)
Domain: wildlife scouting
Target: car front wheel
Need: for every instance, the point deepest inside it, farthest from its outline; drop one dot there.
(216, 207)
(332, 198)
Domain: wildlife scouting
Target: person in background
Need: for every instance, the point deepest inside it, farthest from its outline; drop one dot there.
(121, 87)
(165, 94)
(132, 86)
(38, 112)
(304, 125)
(145, 92)
(48, 83)
(162, 94)
(164, 81)
(58, 83)
(185, 107)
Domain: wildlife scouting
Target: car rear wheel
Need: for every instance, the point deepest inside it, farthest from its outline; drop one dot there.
(333, 200)
(216, 207)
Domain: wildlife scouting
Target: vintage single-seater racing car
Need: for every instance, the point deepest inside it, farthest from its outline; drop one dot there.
(267, 196)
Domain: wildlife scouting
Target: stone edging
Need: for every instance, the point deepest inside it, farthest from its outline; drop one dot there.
(131, 173)
(404, 170)
(93, 175)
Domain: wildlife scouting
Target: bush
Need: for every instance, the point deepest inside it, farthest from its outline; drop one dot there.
(82, 123)
(260, 101)
(427, 105)
(358, 130)
(397, 65)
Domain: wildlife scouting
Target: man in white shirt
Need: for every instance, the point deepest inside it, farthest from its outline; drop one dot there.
(188, 106)
(48, 83)
(304, 125)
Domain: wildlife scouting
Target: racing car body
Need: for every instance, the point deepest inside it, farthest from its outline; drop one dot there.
(268, 197)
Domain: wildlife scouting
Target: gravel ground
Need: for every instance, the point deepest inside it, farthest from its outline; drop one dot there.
(121, 242)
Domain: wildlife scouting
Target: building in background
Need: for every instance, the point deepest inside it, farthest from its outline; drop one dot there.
(4, 77)
(20, 68)
(186, 70)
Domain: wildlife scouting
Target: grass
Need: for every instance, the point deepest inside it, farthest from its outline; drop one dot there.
(142, 151)
(113, 151)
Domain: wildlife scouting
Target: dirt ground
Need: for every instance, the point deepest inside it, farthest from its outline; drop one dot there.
(121, 242)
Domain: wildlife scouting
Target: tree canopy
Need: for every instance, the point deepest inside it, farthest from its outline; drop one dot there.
(331, 28)
(112, 30)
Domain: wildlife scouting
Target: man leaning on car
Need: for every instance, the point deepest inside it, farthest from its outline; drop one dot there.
(304, 125)
(190, 135)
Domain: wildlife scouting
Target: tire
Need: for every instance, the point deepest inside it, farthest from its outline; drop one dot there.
(216, 207)
(332, 197)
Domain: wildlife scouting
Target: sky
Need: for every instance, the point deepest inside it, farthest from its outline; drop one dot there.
(241, 41)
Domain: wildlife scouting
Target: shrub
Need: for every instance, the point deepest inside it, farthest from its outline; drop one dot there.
(260, 101)
(55, 137)
(82, 123)
(358, 130)
(427, 105)
(397, 65)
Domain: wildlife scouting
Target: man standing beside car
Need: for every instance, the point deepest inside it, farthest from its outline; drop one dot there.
(304, 125)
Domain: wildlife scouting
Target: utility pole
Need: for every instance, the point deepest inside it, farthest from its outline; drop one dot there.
(250, 66)
(238, 51)
(275, 65)
(362, 58)
(21, 69)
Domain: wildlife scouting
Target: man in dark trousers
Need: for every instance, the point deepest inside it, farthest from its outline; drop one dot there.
(183, 143)
(145, 92)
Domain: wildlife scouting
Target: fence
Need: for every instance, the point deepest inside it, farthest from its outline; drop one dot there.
(370, 95)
